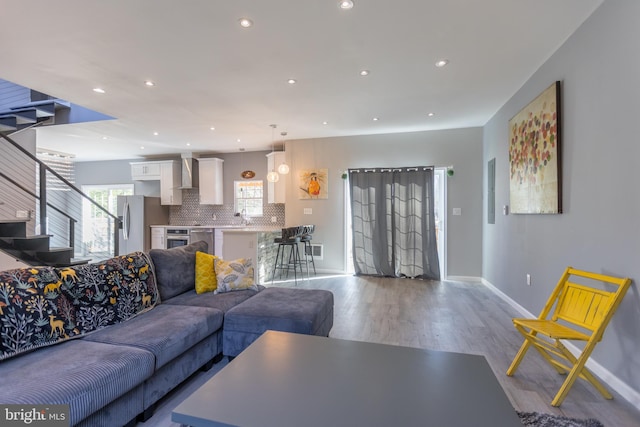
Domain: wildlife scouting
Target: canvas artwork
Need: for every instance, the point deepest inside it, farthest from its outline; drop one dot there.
(534, 156)
(312, 184)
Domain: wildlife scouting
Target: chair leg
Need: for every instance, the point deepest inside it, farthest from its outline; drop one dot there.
(299, 262)
(309, 253)
(275, 265)
(578, 370)
(516, 360)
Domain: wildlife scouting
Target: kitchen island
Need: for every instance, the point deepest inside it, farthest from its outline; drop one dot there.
(255, 243)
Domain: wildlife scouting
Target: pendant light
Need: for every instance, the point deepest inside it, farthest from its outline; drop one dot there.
(273, 175)
(283, 169)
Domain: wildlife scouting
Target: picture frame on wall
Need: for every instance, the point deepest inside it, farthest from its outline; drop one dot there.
(312, 183)
(535, 156)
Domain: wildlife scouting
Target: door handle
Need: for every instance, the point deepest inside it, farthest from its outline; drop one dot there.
(125, 221)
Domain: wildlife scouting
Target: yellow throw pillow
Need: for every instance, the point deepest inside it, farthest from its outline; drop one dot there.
(234, 275)
(206, 280)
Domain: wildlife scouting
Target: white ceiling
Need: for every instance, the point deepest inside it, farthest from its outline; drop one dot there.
(211, 72)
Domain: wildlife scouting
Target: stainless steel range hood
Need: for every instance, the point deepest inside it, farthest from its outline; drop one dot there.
(189, 175)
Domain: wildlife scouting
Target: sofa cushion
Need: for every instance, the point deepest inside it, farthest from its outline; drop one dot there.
(302, 311)
(175, 268)
(166, 331)
(86, 375)
(234, 275)
(206, 280)
(223, 302)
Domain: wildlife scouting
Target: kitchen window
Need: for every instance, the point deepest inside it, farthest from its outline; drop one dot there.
(248, 197)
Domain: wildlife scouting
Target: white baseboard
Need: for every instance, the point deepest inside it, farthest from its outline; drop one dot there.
(615, 383)
(464, 279)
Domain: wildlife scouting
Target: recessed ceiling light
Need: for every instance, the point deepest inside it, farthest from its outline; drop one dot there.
(431, 114)
(98, 90)
(245, 22)
(155, 134)
(291, 81)
(325, 123)
(149, 83)
(441, 63)
(238, 140)
(345, 4)
(142, 147)
(104, 137)
(188, 144)
(364, 72)
(375, 119)
(212, 128)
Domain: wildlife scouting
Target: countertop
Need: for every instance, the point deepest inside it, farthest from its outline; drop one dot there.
(252, 230)
(226, 228)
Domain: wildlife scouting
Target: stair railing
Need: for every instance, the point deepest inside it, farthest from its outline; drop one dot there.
(42, 196)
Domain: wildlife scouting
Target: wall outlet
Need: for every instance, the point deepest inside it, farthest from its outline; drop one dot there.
(308, 211)
(274, 219)
(528, 279)
(457, 211)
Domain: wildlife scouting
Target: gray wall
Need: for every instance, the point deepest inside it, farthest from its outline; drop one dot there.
(460, 148)
(599, 69)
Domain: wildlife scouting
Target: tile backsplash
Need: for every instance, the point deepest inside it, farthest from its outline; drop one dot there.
(191, 212)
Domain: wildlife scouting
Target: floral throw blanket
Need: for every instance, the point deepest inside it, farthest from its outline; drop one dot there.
(41, 306)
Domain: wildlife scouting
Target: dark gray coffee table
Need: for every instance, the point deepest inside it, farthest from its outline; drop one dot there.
(292, 380)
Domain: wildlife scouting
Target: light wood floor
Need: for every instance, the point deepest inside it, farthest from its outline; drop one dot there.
(449, 316)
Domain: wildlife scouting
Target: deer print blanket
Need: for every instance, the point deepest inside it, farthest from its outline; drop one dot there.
(41, 306)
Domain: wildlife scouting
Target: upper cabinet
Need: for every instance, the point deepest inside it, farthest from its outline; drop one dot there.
(211, 180)
(168, 172)
(276, 190)
(145, 171)
(170, 181)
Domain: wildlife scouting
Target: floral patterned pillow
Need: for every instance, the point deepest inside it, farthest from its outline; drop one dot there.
(236, 275)
(41, 306)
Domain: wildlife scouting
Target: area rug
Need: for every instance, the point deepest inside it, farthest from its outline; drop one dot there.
(536, 419)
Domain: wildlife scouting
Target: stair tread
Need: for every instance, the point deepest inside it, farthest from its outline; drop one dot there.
(41, 236)
(57, 250)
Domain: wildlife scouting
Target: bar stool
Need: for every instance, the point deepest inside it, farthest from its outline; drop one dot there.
(308, 249)
(290, 238)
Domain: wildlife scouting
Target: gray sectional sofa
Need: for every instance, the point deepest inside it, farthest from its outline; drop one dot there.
(111, 339)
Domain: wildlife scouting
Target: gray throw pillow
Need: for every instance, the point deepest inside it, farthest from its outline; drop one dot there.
(176, 268)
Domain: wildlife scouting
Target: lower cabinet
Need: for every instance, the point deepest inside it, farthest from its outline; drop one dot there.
(158, 238)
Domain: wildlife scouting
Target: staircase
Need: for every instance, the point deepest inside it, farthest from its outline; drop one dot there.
(33, 250)
(25, 115)
(41, 211)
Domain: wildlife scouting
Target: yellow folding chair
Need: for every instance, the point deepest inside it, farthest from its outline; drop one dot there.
(573, 312)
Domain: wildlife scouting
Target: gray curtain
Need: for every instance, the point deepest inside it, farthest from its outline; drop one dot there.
(393, 222)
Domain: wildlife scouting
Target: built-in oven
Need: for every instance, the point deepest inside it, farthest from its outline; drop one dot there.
(177, 237)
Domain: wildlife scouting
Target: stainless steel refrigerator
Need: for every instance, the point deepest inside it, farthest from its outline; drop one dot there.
(137, 214)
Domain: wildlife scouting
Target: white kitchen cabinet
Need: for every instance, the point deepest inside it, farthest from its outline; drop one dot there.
(145, 171)
(211, 181)
(218, 242)
(276, 190)
(158, 238)
(170, 181)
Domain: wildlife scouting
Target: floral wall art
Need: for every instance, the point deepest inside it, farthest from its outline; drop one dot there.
(312, 184)
(534, 156)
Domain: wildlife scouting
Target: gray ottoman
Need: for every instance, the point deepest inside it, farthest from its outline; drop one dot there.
(302, 311)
